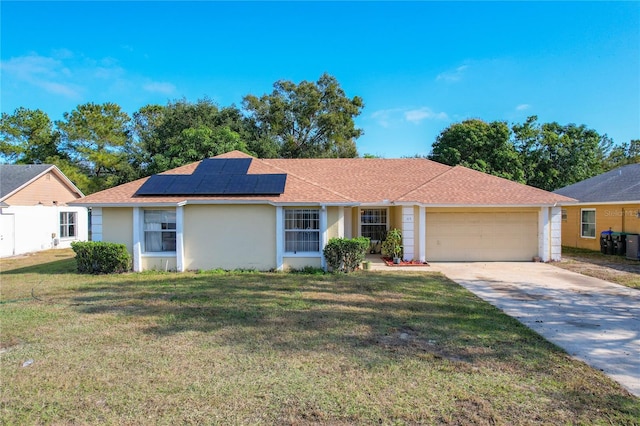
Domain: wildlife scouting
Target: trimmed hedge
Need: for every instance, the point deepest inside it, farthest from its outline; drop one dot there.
(344, 254)
(94, 257)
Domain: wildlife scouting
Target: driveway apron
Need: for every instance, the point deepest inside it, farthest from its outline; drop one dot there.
(593, 320)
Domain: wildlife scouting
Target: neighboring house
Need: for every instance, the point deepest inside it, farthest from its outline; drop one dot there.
(607, 201)
(236, 211)
(34, 210)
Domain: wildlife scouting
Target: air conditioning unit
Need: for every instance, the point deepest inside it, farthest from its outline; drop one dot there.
(56, 241)
(633, 246)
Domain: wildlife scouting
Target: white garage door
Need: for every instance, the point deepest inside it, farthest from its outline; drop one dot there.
(482, 236)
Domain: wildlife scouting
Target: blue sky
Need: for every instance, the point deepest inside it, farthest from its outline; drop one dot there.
(419, 66)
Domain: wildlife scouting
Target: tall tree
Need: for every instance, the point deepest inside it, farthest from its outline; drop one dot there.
(28, 137)
(481, 146)
(554, 156)
(626, 153)
(95, 137)
(183, 132)
(307, 119)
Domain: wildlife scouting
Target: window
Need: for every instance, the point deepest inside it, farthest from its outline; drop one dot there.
(588, 225)
(301, 230)
(373, 223)
(564, 215)
(68, 221)
(159, 230)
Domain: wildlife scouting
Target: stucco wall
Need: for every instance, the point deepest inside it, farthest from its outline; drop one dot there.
(229, 237)
(117, 226)
(301, 262)
(46, 189)
(333, 222)
(37, 228)
(618, 217)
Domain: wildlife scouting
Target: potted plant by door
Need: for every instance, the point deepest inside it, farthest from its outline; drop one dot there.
(392, 245)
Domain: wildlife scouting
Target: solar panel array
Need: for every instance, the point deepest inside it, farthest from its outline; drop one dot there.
(216, 176)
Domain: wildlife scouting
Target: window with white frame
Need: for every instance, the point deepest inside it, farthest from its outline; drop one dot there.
(588, 223)
(159, 230)
(301, 230)
(373, 223)
(68, 224)
(564, 215)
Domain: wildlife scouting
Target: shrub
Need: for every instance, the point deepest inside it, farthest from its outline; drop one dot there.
(344, 254)
(392, 245)
(95, 257)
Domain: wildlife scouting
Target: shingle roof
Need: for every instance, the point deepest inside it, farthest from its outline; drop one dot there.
(357, 181)
(14, 176)
(618, 185)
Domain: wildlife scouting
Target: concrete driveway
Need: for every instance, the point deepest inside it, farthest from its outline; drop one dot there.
(593, 320)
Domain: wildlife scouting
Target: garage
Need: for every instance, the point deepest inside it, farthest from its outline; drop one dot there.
(482, 236)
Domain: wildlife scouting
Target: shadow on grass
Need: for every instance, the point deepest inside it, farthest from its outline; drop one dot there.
(64, 266)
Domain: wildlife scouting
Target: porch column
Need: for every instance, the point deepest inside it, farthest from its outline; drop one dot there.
(279, 238)
(96, 224)
(341, 222)
(556, 233)
(544, 237)
(407, 232)
(323, 235)
(422, 234)
(137, 242)
(180, 238)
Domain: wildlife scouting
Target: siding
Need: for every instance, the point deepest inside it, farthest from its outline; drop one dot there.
(46, 189)
(618, 217)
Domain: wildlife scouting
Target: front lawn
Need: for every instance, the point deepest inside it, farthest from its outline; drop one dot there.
(252, 348)
(615, 269)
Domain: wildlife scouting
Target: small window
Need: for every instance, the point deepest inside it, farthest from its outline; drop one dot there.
(159, 230)
(68, 224)
(301, 230)
(588, 223)
(373, 223)
(564, 215)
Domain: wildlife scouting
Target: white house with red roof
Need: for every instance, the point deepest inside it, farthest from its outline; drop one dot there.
(237, 211)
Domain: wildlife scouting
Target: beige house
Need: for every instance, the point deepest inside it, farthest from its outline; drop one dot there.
(609, 201)
(34, 209)
(236, 211)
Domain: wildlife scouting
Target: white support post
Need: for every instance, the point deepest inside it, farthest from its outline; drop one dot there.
(137, 239)
(180, 239)
(544, 237)
(408, 241)
(323, 235)
(341, 222)
(279, 238)
(556, 233)
(422, 234)
(96, 224)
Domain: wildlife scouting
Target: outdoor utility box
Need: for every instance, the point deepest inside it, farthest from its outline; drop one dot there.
(633, 246)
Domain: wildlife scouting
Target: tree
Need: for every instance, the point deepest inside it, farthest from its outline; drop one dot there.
(96, 137)
(182, 132)
(554, 156)
(28, 137)
(626, 153)
(481, 146)
(307, 119)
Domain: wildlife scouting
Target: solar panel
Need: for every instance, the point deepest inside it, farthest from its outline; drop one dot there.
(216, 176)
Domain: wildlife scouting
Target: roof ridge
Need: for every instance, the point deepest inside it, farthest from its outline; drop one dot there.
(428, 181)
(317, 185)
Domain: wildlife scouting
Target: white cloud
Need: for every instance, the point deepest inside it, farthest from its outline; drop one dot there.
(424, 113)
(160, 87)
(523, 107)
(43, 72)
(452, 75)
(397, 116)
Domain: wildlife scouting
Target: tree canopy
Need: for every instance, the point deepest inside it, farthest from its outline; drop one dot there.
(307, 119)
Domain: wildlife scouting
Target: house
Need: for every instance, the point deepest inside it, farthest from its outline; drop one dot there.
(236, 211)
(608, 201)
(34, 209)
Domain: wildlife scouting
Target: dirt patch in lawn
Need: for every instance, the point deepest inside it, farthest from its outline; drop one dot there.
(615, 269)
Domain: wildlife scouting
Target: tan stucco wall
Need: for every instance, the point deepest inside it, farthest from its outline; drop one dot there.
(395, 217)
(46, 189)
(159, 263)
(301, 262)
(229, 237)
(117, 226)
(332, 222)
(618, 217)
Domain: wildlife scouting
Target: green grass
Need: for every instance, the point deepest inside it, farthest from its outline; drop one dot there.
(253, 348)
(615, 269)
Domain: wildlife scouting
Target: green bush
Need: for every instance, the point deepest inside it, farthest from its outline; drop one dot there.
(344, 254)
(95, 257)
(392, 245)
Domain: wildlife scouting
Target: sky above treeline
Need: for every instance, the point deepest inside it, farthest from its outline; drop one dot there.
(419, 66)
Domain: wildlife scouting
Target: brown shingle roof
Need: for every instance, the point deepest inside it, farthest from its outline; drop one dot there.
(355, 181)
